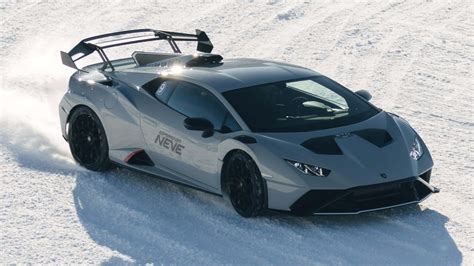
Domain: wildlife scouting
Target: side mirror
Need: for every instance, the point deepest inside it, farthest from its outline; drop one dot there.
(364, 94)
(199, 124)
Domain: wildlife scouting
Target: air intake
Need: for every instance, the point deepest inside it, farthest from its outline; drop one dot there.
(139, 157)
(323, 145)
(378, 137)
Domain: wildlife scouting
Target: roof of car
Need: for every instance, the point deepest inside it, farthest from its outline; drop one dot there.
(229, 74)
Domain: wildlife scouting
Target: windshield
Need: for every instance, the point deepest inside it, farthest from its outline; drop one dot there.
(301, 105)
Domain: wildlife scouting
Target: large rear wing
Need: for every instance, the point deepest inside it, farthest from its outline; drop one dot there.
(100, 42)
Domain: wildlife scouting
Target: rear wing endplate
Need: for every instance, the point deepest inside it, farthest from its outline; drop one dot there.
(101, 42)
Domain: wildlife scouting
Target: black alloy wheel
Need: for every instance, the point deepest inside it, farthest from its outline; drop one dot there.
(87, 140)
(244, 185)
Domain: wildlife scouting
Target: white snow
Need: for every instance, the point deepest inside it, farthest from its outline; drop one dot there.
(416, 57)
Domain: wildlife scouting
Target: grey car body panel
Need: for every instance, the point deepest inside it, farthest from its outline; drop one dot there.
(133, 120)
(229, 74)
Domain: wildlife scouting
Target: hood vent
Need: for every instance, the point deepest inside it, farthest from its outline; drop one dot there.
(323, 145)
(328, 145)
(378, 137)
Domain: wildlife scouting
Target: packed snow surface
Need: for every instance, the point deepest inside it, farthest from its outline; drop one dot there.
(415, 57)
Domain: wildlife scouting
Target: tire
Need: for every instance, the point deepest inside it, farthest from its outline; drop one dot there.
(87, 140)
(244, 185)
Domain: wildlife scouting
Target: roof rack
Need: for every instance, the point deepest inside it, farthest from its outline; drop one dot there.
(99, 43)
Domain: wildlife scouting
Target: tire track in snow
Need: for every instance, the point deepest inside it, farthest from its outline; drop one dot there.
(285, 25)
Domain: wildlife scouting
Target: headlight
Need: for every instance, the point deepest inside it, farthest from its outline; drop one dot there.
(416, 150)
(309, 169)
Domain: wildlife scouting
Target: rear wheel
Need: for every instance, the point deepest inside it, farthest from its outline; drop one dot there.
(244, 185)
(87, 140)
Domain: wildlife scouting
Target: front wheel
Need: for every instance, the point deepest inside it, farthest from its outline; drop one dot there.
(87, 140)
(244, 185)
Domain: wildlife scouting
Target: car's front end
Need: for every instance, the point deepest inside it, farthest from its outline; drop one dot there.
(354, 172)
(342, 160)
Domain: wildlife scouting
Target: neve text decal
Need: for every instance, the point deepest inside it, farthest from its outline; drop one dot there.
(169, 142)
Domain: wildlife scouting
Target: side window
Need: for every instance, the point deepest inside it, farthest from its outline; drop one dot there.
(194, 101)
(164, 91)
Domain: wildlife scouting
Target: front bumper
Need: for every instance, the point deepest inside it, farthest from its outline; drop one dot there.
(364, 198)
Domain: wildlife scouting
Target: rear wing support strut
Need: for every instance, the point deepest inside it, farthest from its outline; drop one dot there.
(99, 43)
(106, 60)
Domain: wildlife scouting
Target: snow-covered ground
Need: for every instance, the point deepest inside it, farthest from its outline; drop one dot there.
(416, 57)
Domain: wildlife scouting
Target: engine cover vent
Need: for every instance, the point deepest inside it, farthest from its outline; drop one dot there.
(204, 59)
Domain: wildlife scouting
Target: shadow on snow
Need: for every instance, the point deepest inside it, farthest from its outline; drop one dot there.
(152, 220)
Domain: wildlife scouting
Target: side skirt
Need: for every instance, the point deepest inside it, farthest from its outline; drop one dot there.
(150, 173)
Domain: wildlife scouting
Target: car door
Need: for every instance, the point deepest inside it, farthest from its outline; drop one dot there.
(184, 151)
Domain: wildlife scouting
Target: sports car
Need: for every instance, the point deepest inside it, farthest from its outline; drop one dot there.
(262, 134)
